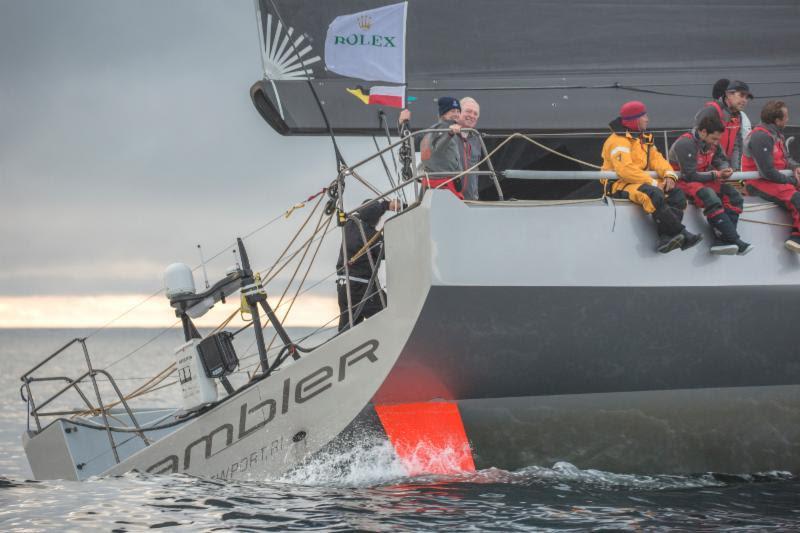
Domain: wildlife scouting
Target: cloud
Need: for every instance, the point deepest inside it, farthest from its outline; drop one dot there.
(127, 138)
(141, 311)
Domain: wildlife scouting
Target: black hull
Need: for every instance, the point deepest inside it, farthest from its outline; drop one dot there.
(737, 430)
(500, 342)
(554, 332)
(641, 379)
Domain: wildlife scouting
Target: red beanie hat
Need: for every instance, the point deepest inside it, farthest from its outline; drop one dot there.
(630, 112)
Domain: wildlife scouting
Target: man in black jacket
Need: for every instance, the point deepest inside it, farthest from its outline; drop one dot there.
(364, 248)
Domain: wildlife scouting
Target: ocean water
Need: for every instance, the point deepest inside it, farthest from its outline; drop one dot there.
(364, 489)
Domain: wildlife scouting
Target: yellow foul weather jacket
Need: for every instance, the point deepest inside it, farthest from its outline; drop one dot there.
(630, 157)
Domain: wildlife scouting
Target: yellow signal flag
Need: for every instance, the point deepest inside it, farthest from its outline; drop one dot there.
(358, 92)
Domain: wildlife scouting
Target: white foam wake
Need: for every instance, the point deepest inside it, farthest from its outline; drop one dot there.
(365, 464)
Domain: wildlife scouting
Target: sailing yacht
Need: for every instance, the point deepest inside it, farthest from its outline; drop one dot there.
(535, 325)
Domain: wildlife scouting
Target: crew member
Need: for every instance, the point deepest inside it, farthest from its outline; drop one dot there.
(703, 169)
(729, 106)
(718, 92)
(629, 151)
(441, 151)
(765, 151)
(360, 248)
(472, 149)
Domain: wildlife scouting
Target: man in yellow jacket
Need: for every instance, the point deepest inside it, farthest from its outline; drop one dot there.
(629, 151)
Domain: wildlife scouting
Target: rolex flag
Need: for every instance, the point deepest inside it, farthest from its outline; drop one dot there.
(369, 45)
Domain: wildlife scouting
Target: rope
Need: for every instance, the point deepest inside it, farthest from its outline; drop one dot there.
(267, 274)
(301, 339)
(124, 313)
(781, 224)
(159, 334)
(356, 256)
(556, 152)
(537, 203)
(763, 207)
(307, 289)
(214, 256)
(299, 287)
(297, 269)
(304, 247)
(760, 207)
(506, 141)
(301, 205)
(154, 383)
(143, 389)
(294, 254)
(227, 321)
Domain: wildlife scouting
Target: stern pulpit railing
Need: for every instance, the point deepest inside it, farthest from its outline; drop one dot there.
(35, 410)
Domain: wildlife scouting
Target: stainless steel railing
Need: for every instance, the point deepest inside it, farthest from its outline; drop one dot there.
(35, 411)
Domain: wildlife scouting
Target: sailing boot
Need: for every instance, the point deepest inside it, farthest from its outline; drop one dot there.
(670, 230)
(690, 239)
(793, 244)
(744, 248)
(666, 243)
(720, 247)
(725, 236)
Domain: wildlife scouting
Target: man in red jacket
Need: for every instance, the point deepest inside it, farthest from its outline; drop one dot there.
(765, 151)
(703, 171)
(729, 107)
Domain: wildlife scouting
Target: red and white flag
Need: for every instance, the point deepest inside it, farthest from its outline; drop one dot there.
(394, 96)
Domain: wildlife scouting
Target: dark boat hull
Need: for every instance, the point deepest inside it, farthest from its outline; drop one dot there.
(651, 380)
(607, 356)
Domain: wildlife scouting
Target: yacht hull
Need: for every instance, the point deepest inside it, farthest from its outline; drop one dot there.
(518, 334)
(580, 343)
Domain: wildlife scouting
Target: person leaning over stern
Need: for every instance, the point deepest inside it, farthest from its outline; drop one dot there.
(703, 170)
(359, 266)
(765, 151)
(729, 107)
(630, 152)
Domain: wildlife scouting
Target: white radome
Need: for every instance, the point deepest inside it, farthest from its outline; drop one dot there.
(178, 280)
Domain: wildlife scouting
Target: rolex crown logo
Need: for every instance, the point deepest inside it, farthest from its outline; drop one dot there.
(364, 22)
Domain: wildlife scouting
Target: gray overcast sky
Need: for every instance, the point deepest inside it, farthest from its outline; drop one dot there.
(127, 135)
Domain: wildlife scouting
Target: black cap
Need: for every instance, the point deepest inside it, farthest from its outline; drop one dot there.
(737, 86)
(446, 103)
(718, 91)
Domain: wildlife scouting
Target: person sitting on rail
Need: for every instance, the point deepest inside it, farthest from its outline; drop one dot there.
(703, 169)
(630, 152)
(728, 105)
(363, 245)
(441, 151)
(765, 151)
